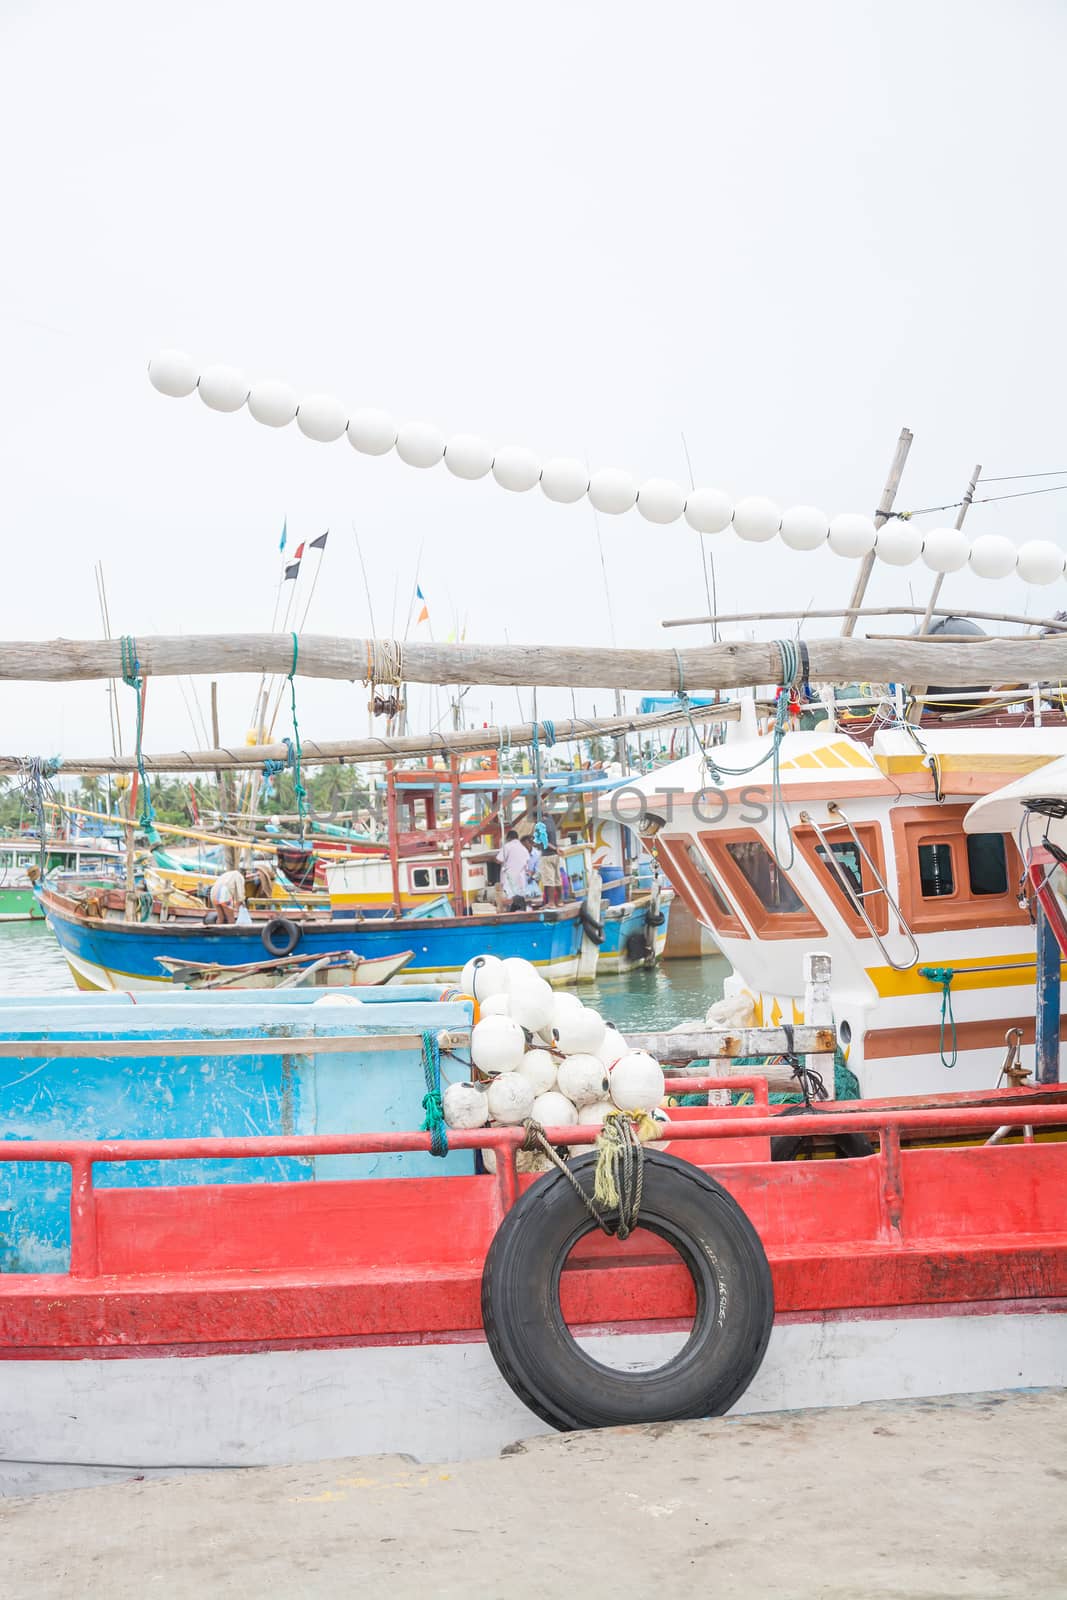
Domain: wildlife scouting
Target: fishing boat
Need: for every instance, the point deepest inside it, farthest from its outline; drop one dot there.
(65, 860)
(266, 1262)
(338, 969)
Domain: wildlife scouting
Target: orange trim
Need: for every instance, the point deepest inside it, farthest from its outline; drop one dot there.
(694, 891)
(880, 1044)
(916, 825)
(765, 924)
(871, 836)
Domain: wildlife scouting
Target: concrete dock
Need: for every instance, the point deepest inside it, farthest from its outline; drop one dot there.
(954, 1497)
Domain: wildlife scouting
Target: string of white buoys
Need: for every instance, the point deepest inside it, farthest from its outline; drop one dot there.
(544, 1055)
(565, 480)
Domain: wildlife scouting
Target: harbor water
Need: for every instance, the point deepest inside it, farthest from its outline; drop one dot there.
(31, 962)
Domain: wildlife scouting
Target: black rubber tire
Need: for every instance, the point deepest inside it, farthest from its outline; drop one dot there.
(539, 1358)
(280, 936)
(590, 925)
(847, 1146)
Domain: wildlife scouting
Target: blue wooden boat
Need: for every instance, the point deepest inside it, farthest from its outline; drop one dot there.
(105, 951)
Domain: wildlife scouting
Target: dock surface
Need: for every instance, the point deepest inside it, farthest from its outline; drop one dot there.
(959, 1497)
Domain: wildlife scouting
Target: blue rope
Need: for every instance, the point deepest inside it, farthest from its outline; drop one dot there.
(550, 732)
(944, 976)
(433, 1122)
(131, 676)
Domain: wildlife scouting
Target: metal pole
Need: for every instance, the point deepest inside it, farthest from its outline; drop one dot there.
(1047, 1038)
(885, 506)
(939, 580)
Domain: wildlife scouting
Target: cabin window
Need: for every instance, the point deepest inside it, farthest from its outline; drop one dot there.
(441, 877)
(765, 878)
(936, 877)
(689, 871)
(987, 863)
(850, 867)
(420, 877)
(698, 862)
(848, 861)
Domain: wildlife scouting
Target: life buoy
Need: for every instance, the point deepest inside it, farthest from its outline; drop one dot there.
(845, 1146)
(592, 929)
(539, 1357)
(280, 936)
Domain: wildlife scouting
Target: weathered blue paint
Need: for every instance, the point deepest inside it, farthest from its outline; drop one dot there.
(1049, 956)
(619, 924)
(161, 1095)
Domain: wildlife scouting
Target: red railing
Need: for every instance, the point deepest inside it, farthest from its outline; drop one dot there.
(81, 1154)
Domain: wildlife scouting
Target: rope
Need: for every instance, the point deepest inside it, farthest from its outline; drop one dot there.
(385, 662)
(550, 732)
(270, 772)
(293, 745)
(131, 677)
(433, 1122)
(618, 1180)
(944, 976)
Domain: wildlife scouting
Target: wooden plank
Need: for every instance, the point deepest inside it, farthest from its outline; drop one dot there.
(723, 1043)
(299, 1045)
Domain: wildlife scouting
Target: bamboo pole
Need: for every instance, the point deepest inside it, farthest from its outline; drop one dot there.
(704, 667)
(1055, 623)
(356, 751)
(881, 516)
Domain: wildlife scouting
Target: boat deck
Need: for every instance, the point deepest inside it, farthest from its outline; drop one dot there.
(961, 1496)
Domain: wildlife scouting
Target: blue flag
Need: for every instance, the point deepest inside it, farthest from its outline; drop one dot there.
(285, 533)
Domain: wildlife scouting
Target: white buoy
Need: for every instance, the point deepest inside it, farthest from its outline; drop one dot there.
(583, 1079)
(465, 1105)
(993, 556)
(554, 1110)
(496, 1005)
(483, 976)
(612, 490)
(804, 528)
(581, 1033)
(660, 500)
(945, 549)
(564, 1004)
(339, 999)
(468, 456)
(372, 433)
(852, 535)
(564, 479)
(540, 1068)
(516, 468)
(756, 520)
(517, 969)
(531, 1003)
(898, 544)
(223, 388)
(174, 373)
(708, 510)
(598, 1111)
(321, 417)
(497, 1044)
(1040, 561)
(612, 1046)
(420, 444)
(511, 1098)
(272, 403)
(636, 1082)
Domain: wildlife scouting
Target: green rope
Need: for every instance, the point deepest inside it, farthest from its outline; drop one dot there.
(433, 1122)
(944, 976)
(131, 676)
(295, 751)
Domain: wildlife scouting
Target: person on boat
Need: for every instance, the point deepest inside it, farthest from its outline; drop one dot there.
(549, 876)
(513, 858)
(533, 862)
(227, 894)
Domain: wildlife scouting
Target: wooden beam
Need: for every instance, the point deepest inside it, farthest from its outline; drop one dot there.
(704, 667)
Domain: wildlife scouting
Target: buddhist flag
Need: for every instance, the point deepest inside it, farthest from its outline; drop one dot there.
(320, 542)
(424, 610)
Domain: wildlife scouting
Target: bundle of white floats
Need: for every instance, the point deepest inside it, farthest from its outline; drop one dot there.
(542, 1054)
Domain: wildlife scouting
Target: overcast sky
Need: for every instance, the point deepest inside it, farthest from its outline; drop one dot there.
(786, 230)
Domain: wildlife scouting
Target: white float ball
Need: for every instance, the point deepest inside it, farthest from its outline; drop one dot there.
(804, 528)
(564, 479)
(945, 549)
(756, 520)
(612, 1046)
(554, 1110)
(223, 388)
(660, 500)
(516, 969)
(540, 1067)
(321, 417)
(851, 534)
(993, 556)
(372, 433)
(583, 1079)
(273, 403)
(1040, 561)
(516, 468)
(465, 1105)
(173, 372)
(468, 456)
(708, 510)
(612, 491)
(497, 1044)
(599, 1111)
(531, 1003)
(496, 1005)
(898, 544)
(637, 1082)
(581, 1032)
(483, 976)
(511, 1098)
(420, 444)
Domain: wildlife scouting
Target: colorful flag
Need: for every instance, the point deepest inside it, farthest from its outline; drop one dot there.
(320, 542)
(292, 570)
(424, 613)
(285, 534)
